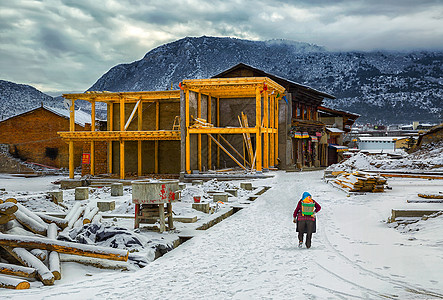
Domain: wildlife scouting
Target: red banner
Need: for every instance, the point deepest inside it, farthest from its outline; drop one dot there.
(86, 158)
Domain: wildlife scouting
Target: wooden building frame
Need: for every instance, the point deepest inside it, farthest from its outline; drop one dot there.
(266, 93)
(123, 135)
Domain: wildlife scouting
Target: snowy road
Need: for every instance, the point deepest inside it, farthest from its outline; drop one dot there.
(254, 255)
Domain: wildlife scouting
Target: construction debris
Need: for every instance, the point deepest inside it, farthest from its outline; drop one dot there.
(360, 182)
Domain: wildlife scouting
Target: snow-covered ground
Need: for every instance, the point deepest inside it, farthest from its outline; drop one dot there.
(253, 254)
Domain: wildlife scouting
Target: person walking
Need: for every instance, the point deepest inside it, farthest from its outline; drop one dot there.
(304, 217)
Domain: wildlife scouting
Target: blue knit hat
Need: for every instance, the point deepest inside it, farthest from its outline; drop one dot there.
(305, 195)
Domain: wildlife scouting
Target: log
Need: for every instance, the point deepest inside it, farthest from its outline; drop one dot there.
(13, 283)
(78, 223)
(13, 200)
(63, 247)
(88, 217)
(31, 215)
(97, 218)
(29, 223)
(15, 270)
(6, 218)
(8, 208)
(62, 223)
(96, 262)
(29, 260)
(72, 210)
(75, 217)
(54, 257)
(39, 253)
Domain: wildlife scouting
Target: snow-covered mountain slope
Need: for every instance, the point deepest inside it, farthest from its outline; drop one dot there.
(387, 87)
(18, 98)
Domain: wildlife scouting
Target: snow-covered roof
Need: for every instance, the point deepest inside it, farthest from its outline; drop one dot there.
(333, 129)
(380, 138)
(81, 117)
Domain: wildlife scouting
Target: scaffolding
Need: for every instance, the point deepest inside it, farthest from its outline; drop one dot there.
(264, 93)
(124, 133)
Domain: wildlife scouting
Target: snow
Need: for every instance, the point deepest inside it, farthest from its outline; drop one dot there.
(253, 254)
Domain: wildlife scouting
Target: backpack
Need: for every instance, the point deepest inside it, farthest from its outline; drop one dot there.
(307, 206)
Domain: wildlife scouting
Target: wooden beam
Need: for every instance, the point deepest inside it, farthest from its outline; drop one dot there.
(139, 143)
(271, 125)
(122, 159)
(157, 127)
(218, 125)
(227, 152)
(110, 107)
(199, 137)
(71, 160)
(232, 147)
(266, 134)
(209, 140)
(128, 122)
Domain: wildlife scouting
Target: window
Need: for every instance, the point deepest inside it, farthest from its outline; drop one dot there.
(52, 153)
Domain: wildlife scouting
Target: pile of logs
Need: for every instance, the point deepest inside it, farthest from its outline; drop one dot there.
(37, 249)
(361, 182)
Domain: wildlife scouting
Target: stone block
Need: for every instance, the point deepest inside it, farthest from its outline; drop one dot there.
(223, 197)
(181, 186)
(117, 189)
(106, 205)
(56, 196)
(70, 184)
(81, 193)
(203, 207)
(246, 186)
(233, 192)
(197, 182)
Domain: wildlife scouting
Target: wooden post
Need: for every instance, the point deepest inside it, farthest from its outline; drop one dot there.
(188, 139)
(170, 218)
(157, 127)
(258, 144)
(122, 143)
(71, 160)
(199, 137)
(209, 140)
(218, 136)
(139, 143)
(276, 134)
(92, 162)
(110, 128)
(161, 210)
(272, 127)
(266, 127)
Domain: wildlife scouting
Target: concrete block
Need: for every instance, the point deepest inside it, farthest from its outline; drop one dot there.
(223, 197)
(70, 184)
(81, 193)
(181, 186)
(197, 182)
(246, 186)
(233, 192)
(203, 207)
(117, 189)
(56, 196)
(106, 205)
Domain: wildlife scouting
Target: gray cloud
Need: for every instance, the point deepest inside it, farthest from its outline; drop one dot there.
(68, 44)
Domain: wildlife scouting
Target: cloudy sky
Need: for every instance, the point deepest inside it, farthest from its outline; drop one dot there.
(66, 45)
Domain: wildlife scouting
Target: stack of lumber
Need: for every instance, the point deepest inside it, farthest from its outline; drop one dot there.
(200, 123)
(35, 251)
(360, 182)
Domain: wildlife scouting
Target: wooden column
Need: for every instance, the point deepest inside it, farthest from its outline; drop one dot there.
(157, 127)
(110, 128)
(92, 165)
(272, 127)
(258, 144)
(139, 143)
(209, 140)
(265, 127)
(122, 143)
(199, 138)
(218, 136)
(71, 143)
(188, 139)
(276, 120)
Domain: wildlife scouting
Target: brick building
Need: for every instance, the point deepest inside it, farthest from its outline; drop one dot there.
(32, 136)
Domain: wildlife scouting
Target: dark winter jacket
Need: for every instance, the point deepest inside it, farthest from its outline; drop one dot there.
(298, 214)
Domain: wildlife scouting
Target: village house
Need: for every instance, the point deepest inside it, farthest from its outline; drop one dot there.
(242, 117)
(33, 136)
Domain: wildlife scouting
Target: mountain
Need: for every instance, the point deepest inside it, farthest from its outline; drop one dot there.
(383, 87)
(18, 98)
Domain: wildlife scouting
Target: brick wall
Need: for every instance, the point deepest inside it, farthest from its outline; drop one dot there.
(33, 137)
(101, 158)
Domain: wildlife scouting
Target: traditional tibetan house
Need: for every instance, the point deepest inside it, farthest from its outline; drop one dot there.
(338, 124)
(32, 136)
(300, 130)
